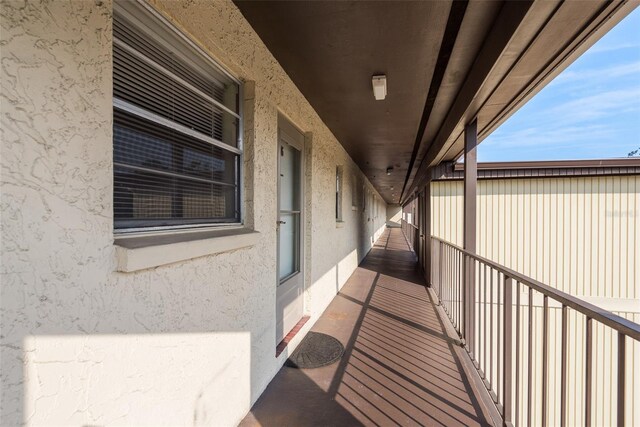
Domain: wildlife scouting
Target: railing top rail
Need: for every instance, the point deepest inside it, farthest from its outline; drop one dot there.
(412, 225)
(608, 318)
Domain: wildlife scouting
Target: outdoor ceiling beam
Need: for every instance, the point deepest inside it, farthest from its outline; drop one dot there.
(507, 23)
(454, 22)
(610, 14)
(607, 17)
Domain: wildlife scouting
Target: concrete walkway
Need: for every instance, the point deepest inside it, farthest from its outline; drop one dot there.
(400, 366)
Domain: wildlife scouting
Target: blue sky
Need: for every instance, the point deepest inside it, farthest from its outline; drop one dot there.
(590, 111)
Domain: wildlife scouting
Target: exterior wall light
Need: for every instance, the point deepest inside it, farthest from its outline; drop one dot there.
(379, 87)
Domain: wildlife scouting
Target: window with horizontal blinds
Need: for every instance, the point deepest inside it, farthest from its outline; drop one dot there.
(176, 140)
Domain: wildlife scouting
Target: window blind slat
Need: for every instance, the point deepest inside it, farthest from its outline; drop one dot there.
(164, 57)
(176, 160)
(156, 92)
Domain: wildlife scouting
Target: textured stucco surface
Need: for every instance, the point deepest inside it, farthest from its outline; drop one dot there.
(187, 343)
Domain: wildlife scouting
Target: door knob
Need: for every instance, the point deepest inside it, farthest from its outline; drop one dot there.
(281, 222)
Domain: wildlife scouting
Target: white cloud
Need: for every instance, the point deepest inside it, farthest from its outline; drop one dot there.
(590, 110)
(596, 75)
(595, 106)
(612, 47)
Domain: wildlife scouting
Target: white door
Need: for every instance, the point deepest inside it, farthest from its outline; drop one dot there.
(290, 285)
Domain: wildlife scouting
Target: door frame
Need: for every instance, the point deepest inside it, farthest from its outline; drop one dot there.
(285, 125)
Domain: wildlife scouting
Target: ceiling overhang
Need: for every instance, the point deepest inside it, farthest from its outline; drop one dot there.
(446, 63)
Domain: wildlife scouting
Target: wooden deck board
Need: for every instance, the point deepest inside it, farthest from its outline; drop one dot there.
(400, 366)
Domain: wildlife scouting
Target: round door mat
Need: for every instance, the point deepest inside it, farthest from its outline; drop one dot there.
(315, 350)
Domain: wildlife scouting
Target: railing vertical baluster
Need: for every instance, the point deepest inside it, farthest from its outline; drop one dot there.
(517, 353)
(449, 283)
(563, 368)
(484, 341)
(471, 306)
(440, 257)
(440, 269)
(445, 293)
(491, 384)
(461, 295)
(530, 359)
(456, 304)
(438, 274)
(454, 281)
(431, 278)
(500, 360)
(588, 372)
(465, 297)
(445, 272)
(507, 349)
(621, 379)
(453, 286)
(545, 359)
(461, 298)
(448, 280)
(458, 272)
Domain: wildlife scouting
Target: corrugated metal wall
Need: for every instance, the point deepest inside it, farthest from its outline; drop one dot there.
(577, 234)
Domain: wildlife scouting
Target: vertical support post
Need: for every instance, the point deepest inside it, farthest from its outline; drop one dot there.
(427, 231)
(507, 386)
(470, 192)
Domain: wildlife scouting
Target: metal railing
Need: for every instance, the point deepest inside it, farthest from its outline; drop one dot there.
(515, 329)
(411, 233)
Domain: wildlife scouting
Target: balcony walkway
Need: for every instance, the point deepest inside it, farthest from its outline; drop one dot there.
(400, 366)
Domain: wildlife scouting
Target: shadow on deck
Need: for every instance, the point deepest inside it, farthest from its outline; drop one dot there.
(400, 366)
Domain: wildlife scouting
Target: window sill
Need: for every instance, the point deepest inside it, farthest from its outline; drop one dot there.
(339, 224)
(148, 251)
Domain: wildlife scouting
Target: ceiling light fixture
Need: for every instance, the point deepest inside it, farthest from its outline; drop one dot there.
(379, 84)
(389, 170)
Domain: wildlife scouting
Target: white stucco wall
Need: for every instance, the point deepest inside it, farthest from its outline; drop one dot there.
(186, 343)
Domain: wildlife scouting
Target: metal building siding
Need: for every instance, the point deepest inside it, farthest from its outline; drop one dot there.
(580, 235)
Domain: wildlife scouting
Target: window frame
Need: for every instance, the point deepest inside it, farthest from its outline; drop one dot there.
(354, 192)
(146, 19)
(339, 193)
(364, 197)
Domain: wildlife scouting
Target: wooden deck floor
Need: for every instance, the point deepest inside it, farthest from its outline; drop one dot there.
(400, 366)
